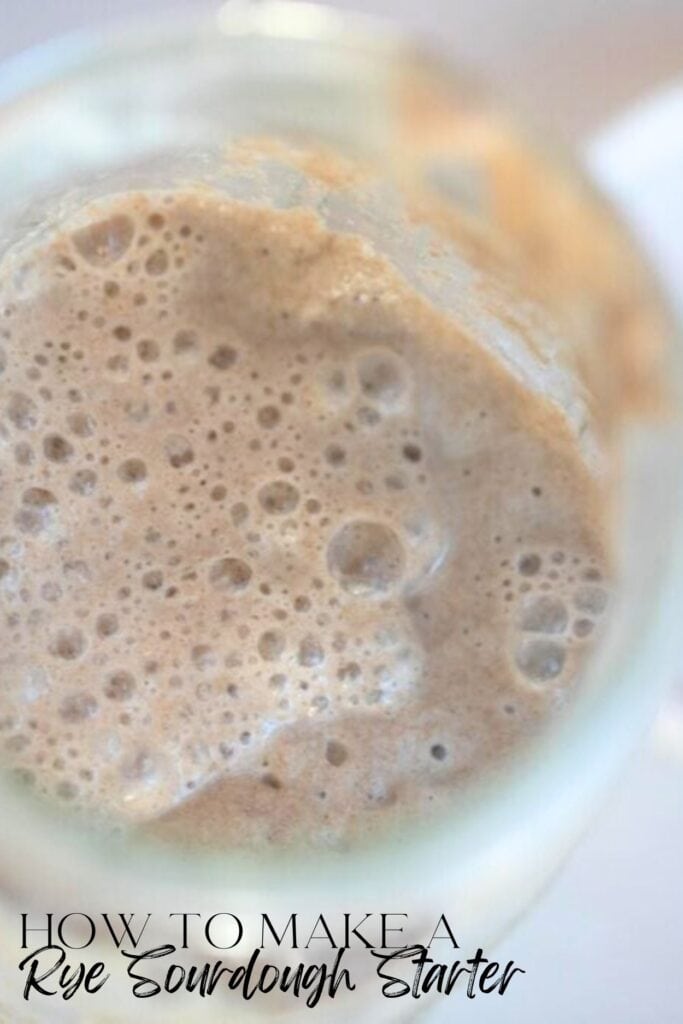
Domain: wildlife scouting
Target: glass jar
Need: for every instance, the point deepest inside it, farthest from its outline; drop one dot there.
(448, 178)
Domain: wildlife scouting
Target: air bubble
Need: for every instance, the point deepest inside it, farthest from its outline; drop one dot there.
(81, 424)
(118, 365)
(65, 263)
(544, 615)
(382, 378)
(268, 416)
(57, 449)
(230, 574)
(368, 416)
(68, 644)
(22, 411)
(132, 471)
(366, 557)
(203, 657)
(334, 382)
(23, 453)
(335, 455)
(153, 580)
(278, 497)
(438, 752)
(412, 452)
(592, 600)
(336, 753)
(105, 241)
(529, 565)
(350, 671)
(78, 708)
(540, 660)
(107, 624)
(271, 645)
(38, 497)
(15, 744)
(583, 628)
(120, 686)
(83, 482)
(66, 790)
(38, 511)
(223, 357)
(148, 350)
(185, 342)
(178, 451)
(310, 653)
(157, 263)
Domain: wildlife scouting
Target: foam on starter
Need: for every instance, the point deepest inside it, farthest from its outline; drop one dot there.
(282, 553)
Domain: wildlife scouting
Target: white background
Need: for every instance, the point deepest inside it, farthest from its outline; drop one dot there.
(604, 943)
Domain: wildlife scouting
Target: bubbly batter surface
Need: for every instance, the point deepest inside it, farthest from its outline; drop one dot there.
(283, 554)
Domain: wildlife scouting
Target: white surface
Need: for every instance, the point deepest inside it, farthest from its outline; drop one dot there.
(603, 945)
(639, 160)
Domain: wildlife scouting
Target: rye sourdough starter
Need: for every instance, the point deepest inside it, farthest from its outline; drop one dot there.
(284, 555)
